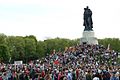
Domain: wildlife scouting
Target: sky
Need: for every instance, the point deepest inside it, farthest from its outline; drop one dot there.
(58, 18)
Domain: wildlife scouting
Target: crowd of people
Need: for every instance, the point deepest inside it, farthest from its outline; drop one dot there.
(81, 62)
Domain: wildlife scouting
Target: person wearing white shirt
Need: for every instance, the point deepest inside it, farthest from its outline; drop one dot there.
(96, 78)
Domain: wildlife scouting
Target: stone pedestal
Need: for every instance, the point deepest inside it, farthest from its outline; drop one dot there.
(88, 38)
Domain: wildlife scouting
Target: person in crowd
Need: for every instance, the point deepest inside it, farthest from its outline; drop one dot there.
(114, 77)
(80, 62)
(88, 75)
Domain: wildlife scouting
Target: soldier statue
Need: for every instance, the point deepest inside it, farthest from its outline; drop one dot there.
(88, 19)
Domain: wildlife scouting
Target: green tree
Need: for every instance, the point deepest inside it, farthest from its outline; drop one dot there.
(30, 49)
(16, 46)
(59, 44)
(3, 39)
(40, 49)
(114, 43)
(4, 53)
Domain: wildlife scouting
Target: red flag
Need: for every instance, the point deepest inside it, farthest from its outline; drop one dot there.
(56, 62)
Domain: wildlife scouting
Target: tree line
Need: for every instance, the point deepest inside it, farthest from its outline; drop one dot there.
(29, 48)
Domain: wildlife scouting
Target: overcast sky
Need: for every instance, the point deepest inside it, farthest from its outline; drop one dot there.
(58, 18)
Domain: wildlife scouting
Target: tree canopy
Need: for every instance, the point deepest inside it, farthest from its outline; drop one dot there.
(29, 48)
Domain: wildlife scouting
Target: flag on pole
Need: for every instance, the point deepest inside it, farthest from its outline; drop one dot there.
(108, 47)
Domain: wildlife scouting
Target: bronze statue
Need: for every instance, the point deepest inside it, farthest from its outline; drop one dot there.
(88, 19)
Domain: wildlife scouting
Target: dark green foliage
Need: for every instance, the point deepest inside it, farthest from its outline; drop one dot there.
(3, 39)
(40, 49)
(114, 43)
(4, 53)
(58, 44)
(28, 48)
(16, 47)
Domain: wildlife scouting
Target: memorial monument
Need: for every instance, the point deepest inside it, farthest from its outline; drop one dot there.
(88, 33)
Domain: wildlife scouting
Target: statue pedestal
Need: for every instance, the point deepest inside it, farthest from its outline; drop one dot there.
(88, 38)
